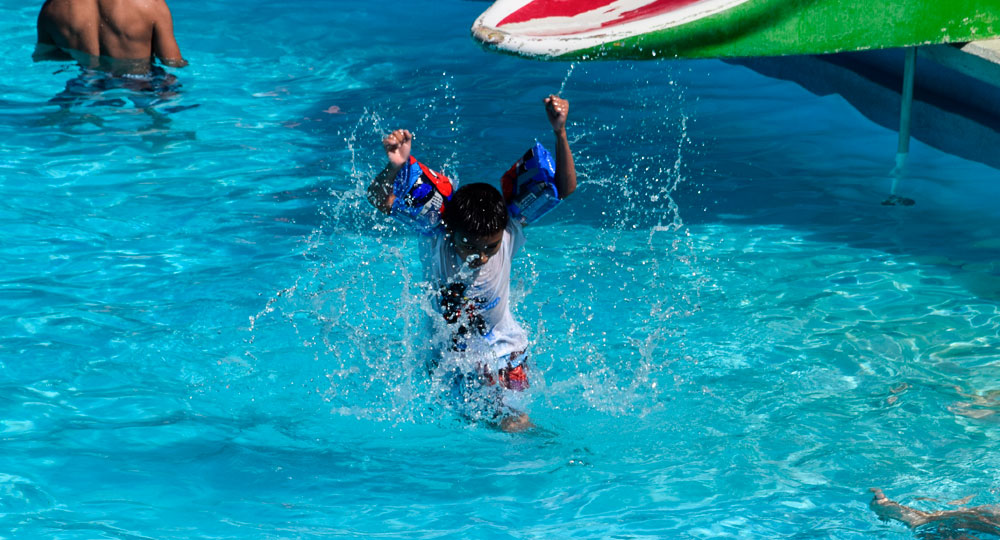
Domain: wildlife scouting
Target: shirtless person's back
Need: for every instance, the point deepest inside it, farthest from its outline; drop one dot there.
(119, 36)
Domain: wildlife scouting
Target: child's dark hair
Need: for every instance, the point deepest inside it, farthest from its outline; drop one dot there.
(476, 209)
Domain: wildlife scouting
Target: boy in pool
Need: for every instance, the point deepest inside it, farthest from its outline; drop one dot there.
(470, 260)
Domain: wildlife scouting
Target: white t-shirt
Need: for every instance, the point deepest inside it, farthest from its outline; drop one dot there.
(488, 286)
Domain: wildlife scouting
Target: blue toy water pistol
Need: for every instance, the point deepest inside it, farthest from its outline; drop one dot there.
(529, 186)
(420, 197)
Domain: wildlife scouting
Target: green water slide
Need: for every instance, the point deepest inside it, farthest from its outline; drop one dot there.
(646, 29)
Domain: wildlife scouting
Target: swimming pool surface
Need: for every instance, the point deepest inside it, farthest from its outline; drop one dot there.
(206, 332)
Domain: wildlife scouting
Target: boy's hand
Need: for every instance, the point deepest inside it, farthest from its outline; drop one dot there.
(397, 147)
(557, 108)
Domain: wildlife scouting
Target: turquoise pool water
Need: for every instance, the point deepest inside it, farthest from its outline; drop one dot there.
(205, 332)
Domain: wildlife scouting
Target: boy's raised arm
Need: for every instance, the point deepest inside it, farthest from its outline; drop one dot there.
(557, 109)
(397, 148)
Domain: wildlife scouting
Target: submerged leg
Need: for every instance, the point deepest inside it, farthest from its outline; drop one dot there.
(516, 423)
(888, 509)
(980, 518)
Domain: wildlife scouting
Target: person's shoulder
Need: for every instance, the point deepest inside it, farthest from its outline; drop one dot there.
(157, 5)
(50, 5)
(515, 233)
(514, 225)
(435, 241)
(54, 10)
(152, 10)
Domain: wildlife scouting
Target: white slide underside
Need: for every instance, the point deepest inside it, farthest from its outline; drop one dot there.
(557, 35)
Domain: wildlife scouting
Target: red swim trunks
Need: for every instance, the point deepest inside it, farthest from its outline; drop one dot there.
(510, 377)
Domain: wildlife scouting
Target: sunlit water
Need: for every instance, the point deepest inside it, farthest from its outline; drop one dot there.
(205, 332)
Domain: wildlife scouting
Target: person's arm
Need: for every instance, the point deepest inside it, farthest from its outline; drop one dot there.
(164, 44)
(397, 148)
(48, 51)
(557, 110)
(46, 47)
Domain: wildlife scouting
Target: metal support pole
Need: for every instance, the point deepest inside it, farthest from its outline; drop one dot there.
(905, 115)
(906, 105)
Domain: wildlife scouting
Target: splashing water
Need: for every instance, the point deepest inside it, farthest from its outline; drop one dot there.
(369, 328)
(569, 72)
